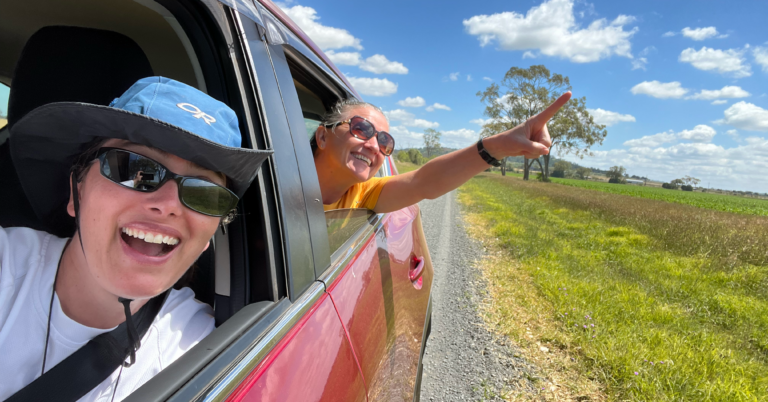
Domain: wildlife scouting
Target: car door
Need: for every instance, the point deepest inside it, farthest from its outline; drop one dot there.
(379, 275)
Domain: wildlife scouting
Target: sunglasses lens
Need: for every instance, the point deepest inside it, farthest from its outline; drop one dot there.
(386, 143)
(361, 128)
(131, 170)
(206, 197)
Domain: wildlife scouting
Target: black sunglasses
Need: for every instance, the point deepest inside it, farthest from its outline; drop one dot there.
(140, 173)
(363, 129)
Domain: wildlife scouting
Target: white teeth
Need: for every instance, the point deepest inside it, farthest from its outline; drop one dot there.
(362, 158)
(150, 237)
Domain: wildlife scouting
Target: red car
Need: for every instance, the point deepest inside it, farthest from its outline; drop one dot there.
(309, 305)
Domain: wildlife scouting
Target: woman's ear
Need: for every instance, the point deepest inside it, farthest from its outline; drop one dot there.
(321, 137)
(71, 202)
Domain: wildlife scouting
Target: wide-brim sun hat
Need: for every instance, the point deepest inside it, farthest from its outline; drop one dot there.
(155, 111)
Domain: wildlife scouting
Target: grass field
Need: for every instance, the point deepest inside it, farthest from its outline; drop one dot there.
(717, 202)
(634, 298)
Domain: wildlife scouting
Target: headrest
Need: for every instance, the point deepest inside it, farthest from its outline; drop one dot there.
(63, 64)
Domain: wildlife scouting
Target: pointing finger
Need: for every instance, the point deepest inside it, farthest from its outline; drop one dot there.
(543, 117)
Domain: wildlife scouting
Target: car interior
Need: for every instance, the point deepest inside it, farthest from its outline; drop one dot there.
(92, 51)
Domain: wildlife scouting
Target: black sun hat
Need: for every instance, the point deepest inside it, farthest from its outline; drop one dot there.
(155, 111)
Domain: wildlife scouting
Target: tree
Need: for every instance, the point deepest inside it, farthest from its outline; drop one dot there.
(560, 168)
(677, 182)
(691, 181)
(616, 174)
(522, 94)
(583, 173)
(432, 141)
(574, 130)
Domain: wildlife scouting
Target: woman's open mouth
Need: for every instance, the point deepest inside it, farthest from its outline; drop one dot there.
(148, 243)
(362, 158)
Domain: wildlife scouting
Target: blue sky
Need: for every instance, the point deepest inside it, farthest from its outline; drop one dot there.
(681, 85)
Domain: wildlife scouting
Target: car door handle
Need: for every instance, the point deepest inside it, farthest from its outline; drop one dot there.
(415, 273)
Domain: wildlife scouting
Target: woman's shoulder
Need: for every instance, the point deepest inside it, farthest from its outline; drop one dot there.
(23, 249)
(183, 321)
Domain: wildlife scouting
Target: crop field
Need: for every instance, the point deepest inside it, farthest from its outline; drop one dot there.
(717, 202)
(625, 298)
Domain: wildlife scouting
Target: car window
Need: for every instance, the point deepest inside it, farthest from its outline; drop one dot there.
(4, 92)
(342, 224)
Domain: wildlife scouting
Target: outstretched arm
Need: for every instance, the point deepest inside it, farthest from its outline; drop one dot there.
(447, 172)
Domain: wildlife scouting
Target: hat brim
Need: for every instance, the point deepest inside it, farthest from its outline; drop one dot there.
(46, 141)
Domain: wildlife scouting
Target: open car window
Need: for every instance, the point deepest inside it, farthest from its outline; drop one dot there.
(4, 92)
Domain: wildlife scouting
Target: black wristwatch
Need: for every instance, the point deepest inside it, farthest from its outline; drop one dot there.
(486, 156)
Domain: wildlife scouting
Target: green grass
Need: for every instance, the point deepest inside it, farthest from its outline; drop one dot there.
(717, 202)
(670, 323)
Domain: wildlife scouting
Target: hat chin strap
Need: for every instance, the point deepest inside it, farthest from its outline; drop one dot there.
(133, 333)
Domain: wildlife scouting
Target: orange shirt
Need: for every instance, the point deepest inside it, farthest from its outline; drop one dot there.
(361, 195)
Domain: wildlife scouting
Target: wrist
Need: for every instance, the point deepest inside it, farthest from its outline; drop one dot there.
(494, 147)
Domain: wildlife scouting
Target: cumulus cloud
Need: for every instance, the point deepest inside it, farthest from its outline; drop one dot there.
(734, 134)
(379, 64)
(412, 102)
(639, 63)
(700, 133)
(661, 90)
(344, 58)
(728, 62)
(668, 34)
(460, 138)
(551, 29)
(609, 118)
(746, 116)
(719, 102)
(405, 138)
(699, 33)
(727, 92)
(436, 106)
(408, 119)
(740, 168)
(761, 57)
(469, 77)
(324, 36)
(373, 86)
(481, 122)
(453, 76)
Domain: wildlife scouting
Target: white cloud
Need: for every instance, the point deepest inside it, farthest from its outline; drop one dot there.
(699, 33)
(378, 64)
(469, 77)
(481, 122)
(488, 79)
(661, 90)
(373, 86)
(746, 116)
(551, 29)
(639, 63)
(432, 108)
(728, 92)
(407, 119)
(453, 76)
(529, 55)
(761, 57)
(741, 168)
(344, 58)
(412, 102)
(668, 34)
(324, 36)
(609, 118)
(734, 134)
(719, 102)
(405, 138)
(729, 62)
(460, 138)
(700, 133)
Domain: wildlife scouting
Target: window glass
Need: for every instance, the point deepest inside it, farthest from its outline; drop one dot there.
(4, 92)
(311, 124)
(342, 224)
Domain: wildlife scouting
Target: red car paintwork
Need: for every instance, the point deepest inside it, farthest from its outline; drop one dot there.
(313, 362)
(382, 308)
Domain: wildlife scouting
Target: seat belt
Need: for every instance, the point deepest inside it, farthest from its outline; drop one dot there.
(89, 366)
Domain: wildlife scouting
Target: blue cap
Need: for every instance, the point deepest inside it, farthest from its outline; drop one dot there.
(182, 106)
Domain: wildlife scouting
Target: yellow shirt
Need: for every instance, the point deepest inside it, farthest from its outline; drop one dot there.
(361, 195)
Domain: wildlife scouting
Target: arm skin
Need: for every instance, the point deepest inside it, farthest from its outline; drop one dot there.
(448, 172)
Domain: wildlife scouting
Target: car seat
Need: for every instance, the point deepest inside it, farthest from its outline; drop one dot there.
(74, 64)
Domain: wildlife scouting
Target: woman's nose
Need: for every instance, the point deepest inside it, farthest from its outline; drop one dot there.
(165, 200)
(372, 144)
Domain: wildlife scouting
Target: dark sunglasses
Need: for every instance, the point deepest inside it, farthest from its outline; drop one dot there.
(140, 173)
(364, 130)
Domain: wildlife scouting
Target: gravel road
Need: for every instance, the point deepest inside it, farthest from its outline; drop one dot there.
(463, 360)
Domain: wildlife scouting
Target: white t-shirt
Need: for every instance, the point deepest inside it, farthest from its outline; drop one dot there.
(28, 261)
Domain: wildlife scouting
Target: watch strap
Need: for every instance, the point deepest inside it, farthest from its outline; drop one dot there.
(486, 156)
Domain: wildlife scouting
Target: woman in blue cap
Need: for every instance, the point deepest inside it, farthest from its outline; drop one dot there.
(147, 180)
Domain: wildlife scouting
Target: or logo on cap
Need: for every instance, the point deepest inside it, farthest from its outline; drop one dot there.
(196, 112)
